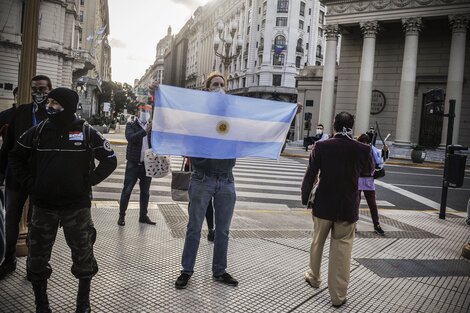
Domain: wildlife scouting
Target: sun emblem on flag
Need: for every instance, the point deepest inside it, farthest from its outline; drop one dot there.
(222, 127)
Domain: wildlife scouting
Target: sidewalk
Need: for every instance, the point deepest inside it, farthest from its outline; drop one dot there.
(416, 267)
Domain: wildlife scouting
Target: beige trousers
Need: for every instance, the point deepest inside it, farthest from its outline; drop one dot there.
(342, 236)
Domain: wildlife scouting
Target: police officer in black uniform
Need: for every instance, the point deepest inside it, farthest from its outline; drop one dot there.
(54, 161)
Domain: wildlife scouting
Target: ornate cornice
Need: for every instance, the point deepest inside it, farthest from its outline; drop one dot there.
(369, 28)
(331, 31)
(339, 7)
(412, 25)
(458, 23)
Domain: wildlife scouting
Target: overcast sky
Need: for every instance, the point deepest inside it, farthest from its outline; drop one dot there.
(136, 26)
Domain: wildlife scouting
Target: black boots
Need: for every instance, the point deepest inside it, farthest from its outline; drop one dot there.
(121, 220)
(83, 296)
(40, 295)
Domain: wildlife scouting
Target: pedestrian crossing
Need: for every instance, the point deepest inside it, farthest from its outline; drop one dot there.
(260, 183)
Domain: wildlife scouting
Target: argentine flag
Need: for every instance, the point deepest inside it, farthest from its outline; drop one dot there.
(213, 125)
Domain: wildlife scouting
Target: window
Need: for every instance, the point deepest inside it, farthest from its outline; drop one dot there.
(299, 48)
(258, 27)
(297, 61)
(248, 30)
(309, 11)
(243, 82)
(81, 16)
(308, 29)
(306, 46)
(277, 79)
(265, 6)
(82, 2)
(260, 59)
(259, 10)
(263, 23)
(278, 59)
(309, 103)
(280, 40)
(281, 21)
(321, 18)
(282, 6)
(320, 32)
(301, 24)
(302, 8)
(319, 55)
(257, 79)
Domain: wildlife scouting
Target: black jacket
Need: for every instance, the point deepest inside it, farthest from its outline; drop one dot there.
(57, 171)
(339, 161)
(21, 121)
(134, 135)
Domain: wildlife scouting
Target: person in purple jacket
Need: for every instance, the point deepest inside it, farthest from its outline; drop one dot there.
(367, 185)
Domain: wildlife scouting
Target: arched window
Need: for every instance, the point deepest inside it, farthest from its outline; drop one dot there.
(319, 51)
(297, 61)
(278, 59)
(299, 48)
(280, 40)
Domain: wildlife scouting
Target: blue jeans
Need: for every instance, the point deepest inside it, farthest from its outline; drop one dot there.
(135, 171)
(202, 188)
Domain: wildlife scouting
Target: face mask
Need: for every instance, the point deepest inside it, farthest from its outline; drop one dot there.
(144, 117)
(51, 111)
(219, 90)
(39, 97)
(319, 131)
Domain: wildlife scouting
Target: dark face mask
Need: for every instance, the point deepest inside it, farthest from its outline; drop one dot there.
(59, 118)
(40, 98)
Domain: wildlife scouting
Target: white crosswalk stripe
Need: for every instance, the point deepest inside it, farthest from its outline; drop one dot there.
(260, 184)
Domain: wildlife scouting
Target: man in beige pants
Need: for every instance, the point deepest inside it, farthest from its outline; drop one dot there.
(335, 166)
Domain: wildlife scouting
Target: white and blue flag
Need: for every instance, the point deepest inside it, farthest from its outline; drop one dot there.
(218, 126)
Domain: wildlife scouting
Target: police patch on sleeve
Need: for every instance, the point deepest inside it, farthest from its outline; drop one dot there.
(107, 145)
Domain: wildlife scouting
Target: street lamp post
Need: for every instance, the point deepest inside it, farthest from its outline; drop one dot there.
(227, 55)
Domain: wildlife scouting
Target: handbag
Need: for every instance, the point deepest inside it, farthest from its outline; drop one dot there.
(156, 165)
(180, 184)
(379, 173)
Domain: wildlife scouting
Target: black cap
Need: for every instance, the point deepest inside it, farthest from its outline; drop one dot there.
(66, 97)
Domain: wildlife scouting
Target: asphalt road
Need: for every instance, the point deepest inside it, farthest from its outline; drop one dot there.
(418, 188)
(421, 185)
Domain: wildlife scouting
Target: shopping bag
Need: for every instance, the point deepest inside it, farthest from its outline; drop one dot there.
(180, 184)
(156, 165)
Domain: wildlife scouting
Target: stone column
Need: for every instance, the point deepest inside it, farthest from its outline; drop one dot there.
(326, 110)
(459, 25)
(411, 26)
(27, 70)
(364, 95)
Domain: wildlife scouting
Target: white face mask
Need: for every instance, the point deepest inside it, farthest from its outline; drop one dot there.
(144, 116)
(219, 90)
(319, 131)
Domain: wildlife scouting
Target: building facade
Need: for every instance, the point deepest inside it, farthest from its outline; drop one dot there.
(58, 38)
(392, 54)
(64, 52)
(93, 46)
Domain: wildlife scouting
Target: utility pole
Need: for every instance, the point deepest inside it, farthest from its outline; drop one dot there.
(29, 48)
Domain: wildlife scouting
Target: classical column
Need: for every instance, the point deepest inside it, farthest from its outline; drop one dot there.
(411, 26)
(459, 25)
(27, 70)
(364, 95)
(326, 109)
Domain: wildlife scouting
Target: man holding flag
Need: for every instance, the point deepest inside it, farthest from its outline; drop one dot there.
(214, 129)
